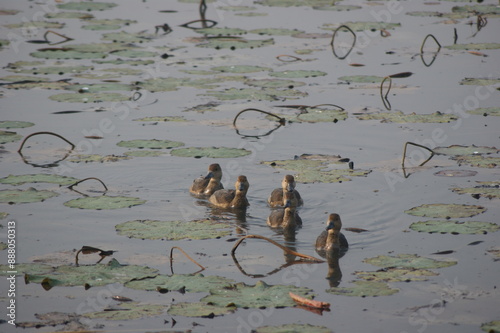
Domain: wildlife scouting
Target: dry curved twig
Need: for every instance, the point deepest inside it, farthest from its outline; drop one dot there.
(333, 40)
(88, 178)
(187, 255)
(385, 100)
(280, 119)
(49, 133)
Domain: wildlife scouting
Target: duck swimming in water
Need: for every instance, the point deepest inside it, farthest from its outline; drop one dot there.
(232, 198)
(206, 186)
(285, 217)
(331, 238)
(287, 185)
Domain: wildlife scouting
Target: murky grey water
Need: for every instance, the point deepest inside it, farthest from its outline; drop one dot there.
(376, 202)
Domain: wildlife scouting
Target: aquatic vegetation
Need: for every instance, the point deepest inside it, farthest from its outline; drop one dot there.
(193, 283)
(400, 117)
(104, 202)
(446, 210)
(303, 328)
(130, 310)
(15, 124)
(25, 196)
(364, 289)
(394, 274)
(410, 261)
(199, 309)
(86, 6)
(492, 111)
(89, 97)
(8, 136)
(482, 191)
(150, 144)
(37, 178)
(454, 227)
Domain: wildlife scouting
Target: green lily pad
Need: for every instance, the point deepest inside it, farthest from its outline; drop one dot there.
(211, 152)
(34, 25)
(172, 83)
(361, 26)
(478, 161)
(237, 8)
(480, 81)
(150, 144)
(477, 9)
(130, 62)
(69, 15)
(67, 54)
(135, 54)
(86, 6)
(400, 117)
(276, 31)
(315, 168)
(337, 8)
(15, 124)
(268, 94)
(86, 158)
(40, 84)
(107, 24)
(94, 275)
(126, 37)
(273, 83)
(493, 111)
(129, 311)
(491, 327)
(465, 150)
(89, 97)
(8, 136)
(315, 115)
(193, 283)
(393, 274)
(454, 227)
(257, 296)
(411, 261)
(198, 309)
(474, 46)
(99, 87)
(484, 191)
(297, 74)
(293, 328)
(3, 215)
(446, 210)
(26, 268)
(173, 230)
(104, 202)
(235, 43)
(54, 70)
(361, 79)
(144, 153)
(25, 196)
(3, 246)
(220, 31)
(163, 119)
(364, 289)
(14, 78)
(38, 178)
(294, 3)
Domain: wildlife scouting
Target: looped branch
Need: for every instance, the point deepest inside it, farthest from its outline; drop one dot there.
(404, 155)
(281, 120)
(385, 100)
(333, 40)
(285, 249)
(81, 181)
(282, 57)
(40, 133)
(203, 22)
(187, 255)
(425, 39)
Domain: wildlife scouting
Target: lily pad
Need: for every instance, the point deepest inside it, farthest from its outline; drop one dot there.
(69, 15)
(493, 111)
(292, 328)
(364, 289)
(135, 54)
(41, 84)
(54, 70)
(128, 311)
(484, 191)
(104, 202)
(26, 268)
(198, 309)
(99, 87)
(273, 83)
(361, 79)
(257, 296)
(25, 196)
(93, 275)
(172, 83)
(465, 150)
(144, 153)
(400, 117)
(8, 136)
(268, 94)
(15, 124)
(361, 26)
(494, 252)
(474, 46)
(86, 6)
(235, 43)
(393, 274)
(454, 227)
(163, 119)
(35, 25)
(193, 283)
(456, 173)
(126, 37)
(150, 144)
(240, 69)
(67, 54)
(276, 31)
(411, 261)
(211, 152)
(87, 158)
(38, 178)
(478, 161)
(89, 97)
(297, 74)
(446, 210)
(221, 31)
(173, 230)
(491, 327)
(480, 81)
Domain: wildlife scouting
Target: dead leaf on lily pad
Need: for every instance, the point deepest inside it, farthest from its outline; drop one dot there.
(446, 210)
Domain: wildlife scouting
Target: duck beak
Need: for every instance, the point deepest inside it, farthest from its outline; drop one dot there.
(290, 187)
(241, 187)
(330, 225)
(209, 175)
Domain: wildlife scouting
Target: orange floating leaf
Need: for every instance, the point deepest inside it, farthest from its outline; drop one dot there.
(309, 302)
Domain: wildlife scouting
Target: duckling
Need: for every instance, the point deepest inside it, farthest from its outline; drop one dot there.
(331, 238)
(286, 217)
(232, 198)
(287, 185)
(206, 186)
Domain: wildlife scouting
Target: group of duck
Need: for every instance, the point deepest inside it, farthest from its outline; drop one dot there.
(284, 200)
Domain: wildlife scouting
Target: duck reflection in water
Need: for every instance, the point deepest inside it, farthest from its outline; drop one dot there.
(332, 245)
(232, 198)
(206, 186)
(287, 217)
(287, 185)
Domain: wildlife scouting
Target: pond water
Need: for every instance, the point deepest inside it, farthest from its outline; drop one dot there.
(461, 297)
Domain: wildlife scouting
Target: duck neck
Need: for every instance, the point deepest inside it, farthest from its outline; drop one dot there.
(332, 241)
(240, 199)
(289, 218)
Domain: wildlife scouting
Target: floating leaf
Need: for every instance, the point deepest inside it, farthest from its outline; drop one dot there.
(38, 178)
(162, 119)
(104, 202)
(456, 173)
(361, 79)
(193, 283)
(54, 70)
(364, 289)
(465, 150)
(98, 87)
(297, 74)
(491, 327)
(150, 144)
(276, 31)
(8, 136)
(173, 230)
(89, 97)
(198, 309)
(446, 210)
(411, 261)
(67, 54)
(21, 269)
(211, 152)
(35, 25)
(235, 43)
(478, 161)
(84, 158)
(292, 328)
(25, 196)
(495, 252)
(220, 31)
(172, 83)
(257, 296)
(454, 227)
(268, 94)
(144, 153)
(240, 69)
(15, 124)
(400, 117)
(361, 26)
(273, 83)
(393, 274)
(68, 15)
(493, 111)
(128, 311)
(86, 6)
(480, 82)
(489, 192)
